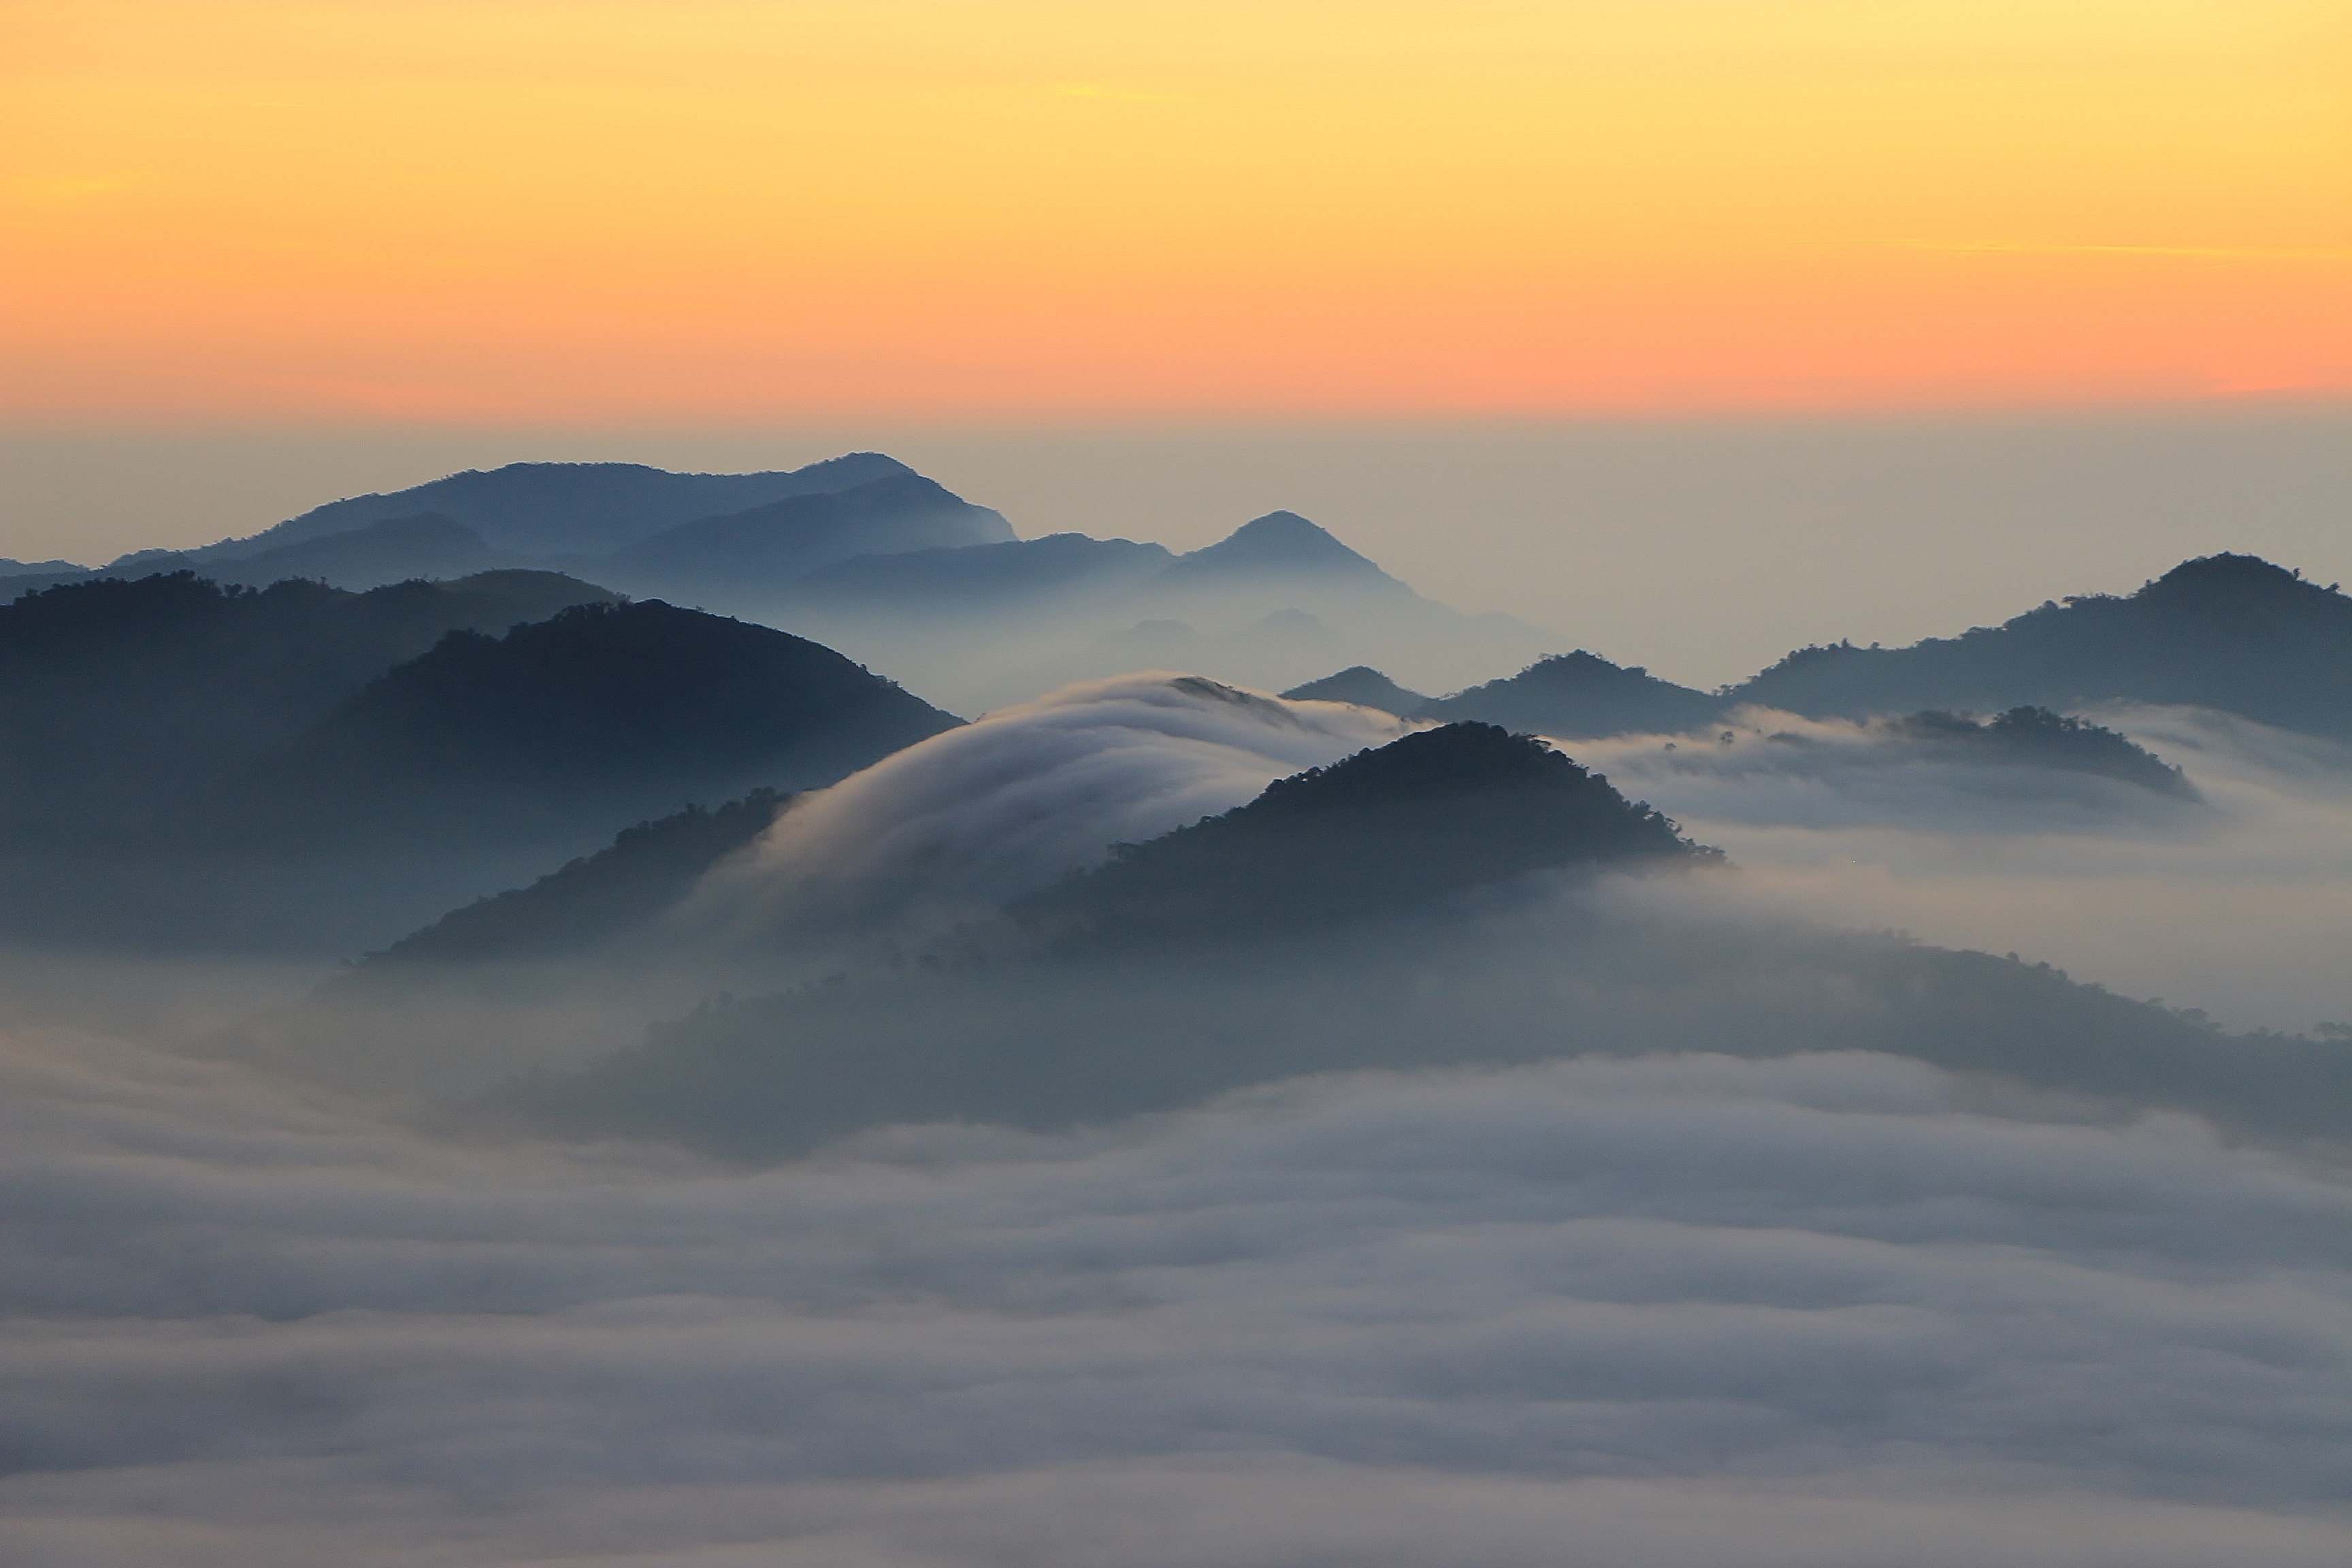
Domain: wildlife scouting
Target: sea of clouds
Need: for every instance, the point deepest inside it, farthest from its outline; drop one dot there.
(1675, 1310)
(2241, 905)
(1684, 1310)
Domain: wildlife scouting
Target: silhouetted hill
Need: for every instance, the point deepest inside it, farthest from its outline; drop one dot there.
(553, 509)
(1052, 1045)
(643, 871)
(765, 547)
(604, 712)
(1279, 543)
(1580, 696)
(1431, 814)
(2035, 737)
(118, 698)
(1363, 686)
(2232, 632)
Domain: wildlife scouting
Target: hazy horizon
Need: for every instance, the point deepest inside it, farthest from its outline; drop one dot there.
(1701, 548)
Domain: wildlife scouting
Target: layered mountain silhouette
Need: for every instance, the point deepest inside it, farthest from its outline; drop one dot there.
(1363, 686)
(1402, 825)
(556, 509)
(594, 898)
(602, 715)
(2231, 632)
(1580, 696)
(1276, 600)
(739, 559)
(120, 698)
(2036, 737)
(1389, 833)
(398, 549)
(190, 762)
(720, 537)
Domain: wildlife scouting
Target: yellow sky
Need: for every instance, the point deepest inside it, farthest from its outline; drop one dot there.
(506, 210)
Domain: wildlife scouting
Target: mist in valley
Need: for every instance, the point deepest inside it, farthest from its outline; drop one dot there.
(1144, 1119)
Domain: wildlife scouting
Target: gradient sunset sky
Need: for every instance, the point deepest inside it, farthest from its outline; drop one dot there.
(507, 212)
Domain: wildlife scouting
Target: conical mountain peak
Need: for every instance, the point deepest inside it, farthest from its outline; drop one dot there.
(1279, 541)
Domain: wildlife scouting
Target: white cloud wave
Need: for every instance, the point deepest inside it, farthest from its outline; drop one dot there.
(1014, 800)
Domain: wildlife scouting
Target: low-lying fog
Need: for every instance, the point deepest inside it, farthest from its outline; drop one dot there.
(1603, 1246)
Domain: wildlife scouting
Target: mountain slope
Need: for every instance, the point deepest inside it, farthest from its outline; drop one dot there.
(1363, 686)
(1280, 544)
(593, 899)
(2232, 632)
(551, 509)
(728, 559)
(397, 550)
(1580, 696)
(1429, 815)
(116, 695)
(568, 727)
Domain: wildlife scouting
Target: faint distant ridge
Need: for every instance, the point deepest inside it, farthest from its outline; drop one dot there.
(397, 550)
(1277, 542)
(764, 548)
(1433, 814)
(1363, 686)
(976, 579)
(556, 507)
(2035, 737)
(1580, 696)
(2231, 632)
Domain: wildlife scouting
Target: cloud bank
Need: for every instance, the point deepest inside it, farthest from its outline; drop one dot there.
(2241, 906)
(1679, 1310)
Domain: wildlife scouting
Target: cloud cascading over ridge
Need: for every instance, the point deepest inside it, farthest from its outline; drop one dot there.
(1007, 804)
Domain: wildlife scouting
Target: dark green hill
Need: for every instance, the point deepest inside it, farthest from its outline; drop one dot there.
(1430, 815)
(1580, 696)
(2232, 632)
(602, 714)
(1363, 686)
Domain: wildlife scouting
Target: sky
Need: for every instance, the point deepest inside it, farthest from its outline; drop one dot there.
(1674, 327)
(509, 211)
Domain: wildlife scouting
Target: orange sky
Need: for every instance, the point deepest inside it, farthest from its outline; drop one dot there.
(505, 210)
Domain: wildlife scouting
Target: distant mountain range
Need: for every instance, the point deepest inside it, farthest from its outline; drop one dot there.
(643, 530)
(863, 553)
(185, 759)
(1336, 922)
(986, 625)
(2229, 632)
